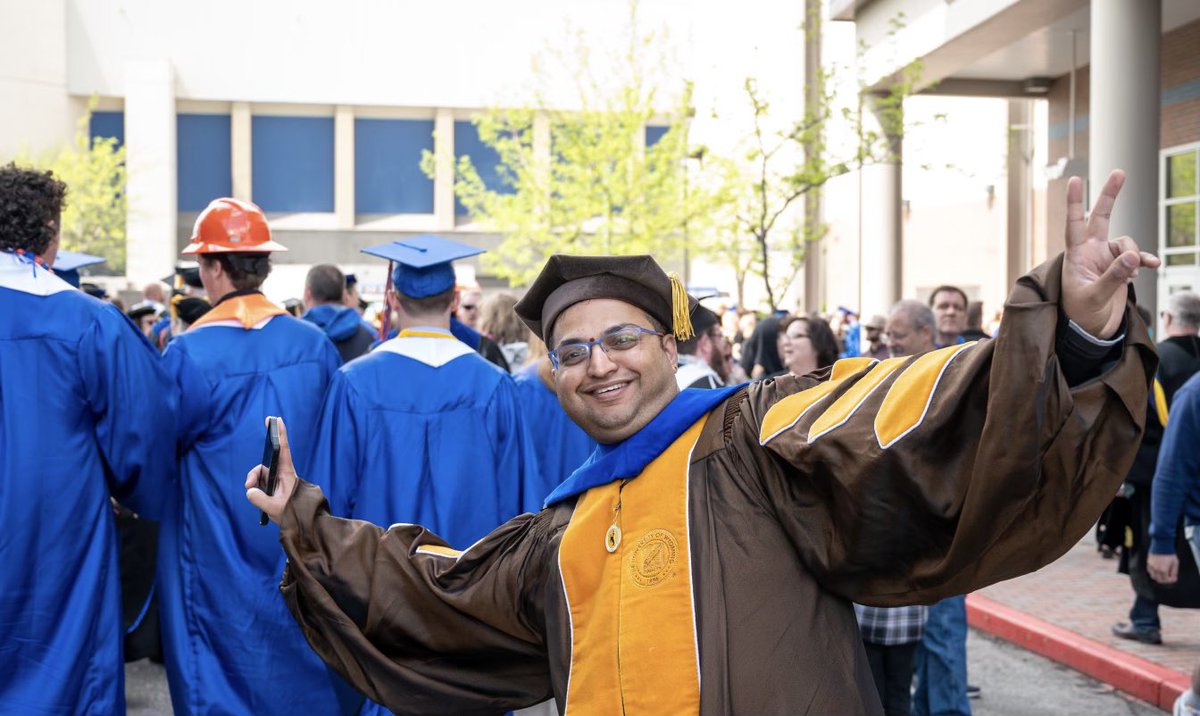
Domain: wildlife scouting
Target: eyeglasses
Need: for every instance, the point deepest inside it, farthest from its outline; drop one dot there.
(621, 339)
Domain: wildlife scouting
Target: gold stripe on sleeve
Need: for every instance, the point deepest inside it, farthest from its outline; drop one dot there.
(438, 551)
(787, 412)
(850, 401)
(909, 398)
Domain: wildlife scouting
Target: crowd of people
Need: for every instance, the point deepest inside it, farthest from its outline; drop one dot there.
(458, 412)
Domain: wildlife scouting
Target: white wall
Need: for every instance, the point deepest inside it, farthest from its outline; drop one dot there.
(36, 114)
(468, 53)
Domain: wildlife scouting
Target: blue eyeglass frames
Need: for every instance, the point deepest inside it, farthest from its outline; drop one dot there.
(621, 339)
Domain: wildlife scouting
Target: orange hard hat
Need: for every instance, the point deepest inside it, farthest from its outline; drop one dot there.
(229, 225)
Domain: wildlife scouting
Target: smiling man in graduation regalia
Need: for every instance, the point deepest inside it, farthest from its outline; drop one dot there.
(242, 360)
(705, 559)
(85, 415)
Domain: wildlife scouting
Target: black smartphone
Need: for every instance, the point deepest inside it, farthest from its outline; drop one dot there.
(269, 474)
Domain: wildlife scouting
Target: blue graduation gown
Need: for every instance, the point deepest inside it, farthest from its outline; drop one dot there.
(424, 430)
(85, 414)
(230, 644)
(561, 445)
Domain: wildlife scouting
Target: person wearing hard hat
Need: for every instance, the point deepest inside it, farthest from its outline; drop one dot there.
(84, 416)
(229, 643)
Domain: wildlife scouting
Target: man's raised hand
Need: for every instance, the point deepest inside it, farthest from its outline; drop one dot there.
(285, 476)
(1097, 270)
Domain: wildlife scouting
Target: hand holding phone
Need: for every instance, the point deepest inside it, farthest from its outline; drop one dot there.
(268, 476)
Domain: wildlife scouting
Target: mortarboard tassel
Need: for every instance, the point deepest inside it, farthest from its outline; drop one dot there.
(680, 315)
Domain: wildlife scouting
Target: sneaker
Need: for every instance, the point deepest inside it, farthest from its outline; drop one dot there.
(1145, 635)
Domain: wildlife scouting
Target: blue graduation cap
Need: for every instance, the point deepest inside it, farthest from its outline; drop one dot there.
(68, 263)
(422, 263)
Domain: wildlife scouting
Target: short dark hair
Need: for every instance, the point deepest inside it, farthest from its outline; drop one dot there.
(428, 305)
(951, 289)
(326, 283)
(246, 271)
(31, 205)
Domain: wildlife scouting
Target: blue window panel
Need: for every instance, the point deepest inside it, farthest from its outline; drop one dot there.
(485, 160)
(202, 152)
(387, 166)
(108, 124)
(293, 163)
(654, 133)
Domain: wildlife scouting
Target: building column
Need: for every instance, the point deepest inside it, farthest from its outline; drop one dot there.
(1019, 191)
(880, 228)
(443, 173)
(343, 166)
(151, 223)
(814, 218)
(1123, 123)
(240, 150)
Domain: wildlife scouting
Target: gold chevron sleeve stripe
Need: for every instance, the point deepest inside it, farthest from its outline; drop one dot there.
(438, 551)
(847, 367)
(909, 398)
(1160, 402)
(850, 401)
(787, 412)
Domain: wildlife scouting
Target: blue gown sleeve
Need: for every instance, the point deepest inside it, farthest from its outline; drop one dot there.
(335, 463)
(131, 399)
(194, 393)
(1178, 471)
(515, 456)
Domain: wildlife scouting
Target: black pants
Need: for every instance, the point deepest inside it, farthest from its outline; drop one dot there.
(892, 667)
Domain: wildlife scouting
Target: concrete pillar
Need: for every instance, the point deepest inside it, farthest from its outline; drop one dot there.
(1124, 121)
(814, 219)
(343, 166)
(1019, 194)
(443, 174)
(150, 160)
(880, 228)
(240, 149)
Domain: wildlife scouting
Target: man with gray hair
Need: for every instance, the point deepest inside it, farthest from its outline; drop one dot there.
(910, 328)
(1179, 352)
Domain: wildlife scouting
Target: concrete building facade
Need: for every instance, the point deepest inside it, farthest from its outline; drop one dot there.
(1143, 116)
(320, 112)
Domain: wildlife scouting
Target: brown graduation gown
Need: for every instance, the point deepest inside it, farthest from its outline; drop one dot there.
(1005, 469)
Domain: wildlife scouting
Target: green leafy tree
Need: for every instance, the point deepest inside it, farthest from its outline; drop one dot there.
(583, 180)
(94, 172)
(767, 235)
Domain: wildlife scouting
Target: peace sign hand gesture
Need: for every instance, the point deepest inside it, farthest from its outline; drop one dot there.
(1097, 270)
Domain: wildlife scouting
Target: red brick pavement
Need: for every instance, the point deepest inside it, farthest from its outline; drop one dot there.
(1065, 611)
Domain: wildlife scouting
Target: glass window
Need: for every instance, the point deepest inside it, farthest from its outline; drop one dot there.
(387, 166)
(654, 133)
(108, 124)
(1181, 225)
(1180, 207)
(293, 163)
(485, 160)
(204, 167)
(1181, 175)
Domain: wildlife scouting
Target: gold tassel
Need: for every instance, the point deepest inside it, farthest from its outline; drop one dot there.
(680, 310)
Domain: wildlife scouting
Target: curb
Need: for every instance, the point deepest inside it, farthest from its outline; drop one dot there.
(1131, 674)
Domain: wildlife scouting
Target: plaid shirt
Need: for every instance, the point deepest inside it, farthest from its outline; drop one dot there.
(890, 626)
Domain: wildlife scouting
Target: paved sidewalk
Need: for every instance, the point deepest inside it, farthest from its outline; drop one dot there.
(1065, 612)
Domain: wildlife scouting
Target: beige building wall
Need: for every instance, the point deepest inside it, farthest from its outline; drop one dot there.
(33, 78)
